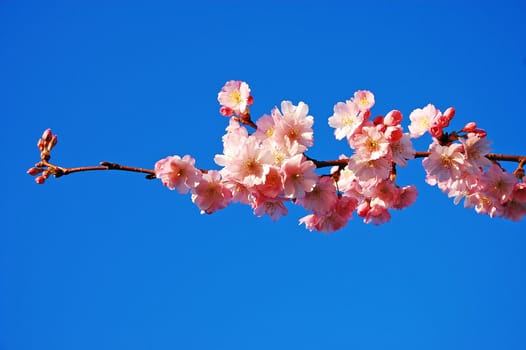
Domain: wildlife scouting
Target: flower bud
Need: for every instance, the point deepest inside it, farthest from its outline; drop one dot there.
(435, 131)
(449, 113)
(393, 133)
(34, 171)
(469, 127)
(46, 135)
(226, 111)
(378, 120)
(393, 118)
(40, 180)
(41, 144)
(52, 142)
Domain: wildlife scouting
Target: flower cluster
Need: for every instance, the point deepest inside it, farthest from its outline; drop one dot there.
(268, 167)
(459, 166)
(368, 180)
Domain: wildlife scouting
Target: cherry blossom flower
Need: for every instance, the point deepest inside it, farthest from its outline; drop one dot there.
(406, 197)
(499, 184)
(364, 99)
(332, 220)
(402, 150)
(210, 194)
(365, 169)
(347, 119)
(475, 149)
(272, 187)
(235, 136)
(235, 96)
(298, 176)
(422, 119)
(377, 213)
(444, 162)
(272, 207)
(251, 163)
(514, 210)
(265, 128)
(294, 124)
(177, 173)
(322, 197)
(370, 143)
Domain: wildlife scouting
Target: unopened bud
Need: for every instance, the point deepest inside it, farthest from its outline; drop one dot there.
(480, 132)
(436, 131)
(46, 135)
(40, 180)
(449, 113)
(378, 120)
(226, 111)
(52, 142)
(469, 127)
(41, 144)
(393, 118)
(34, 171)
(250, 100)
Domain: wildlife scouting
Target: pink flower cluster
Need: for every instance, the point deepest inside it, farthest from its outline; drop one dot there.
(368, 180)
(268, 167)
(458, 165)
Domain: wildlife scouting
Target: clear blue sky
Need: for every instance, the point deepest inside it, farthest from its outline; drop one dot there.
(113, 261)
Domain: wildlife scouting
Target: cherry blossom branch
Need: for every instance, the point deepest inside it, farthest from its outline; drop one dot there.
(269, 167)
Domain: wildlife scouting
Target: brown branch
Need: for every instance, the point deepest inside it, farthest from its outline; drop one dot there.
(59, 171)
(492, 156)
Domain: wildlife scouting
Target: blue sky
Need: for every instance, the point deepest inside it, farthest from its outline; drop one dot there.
(113, 261)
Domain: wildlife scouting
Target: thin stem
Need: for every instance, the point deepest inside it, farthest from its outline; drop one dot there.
(492, 156)
(59, 171)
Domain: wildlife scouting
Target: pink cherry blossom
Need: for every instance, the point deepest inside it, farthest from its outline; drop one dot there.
(370, 143)
(406, 197)
(210, 194)
(364, 99)
(266, 125)
(422, 119)
(499, 184)
(298, 176)
(402, 150)
(293, 124)
(349, 184)
(272, 207)
(334, 219)
(514, 210)
(250, 165)
(272, 187)
(365, 169)
(177, 173)
(322, 197)
(475, 149)
(444, 162)
(383, 190)
(235, 136)
(347, 119)
(235, 96)
(377, 213)
(519, 192)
